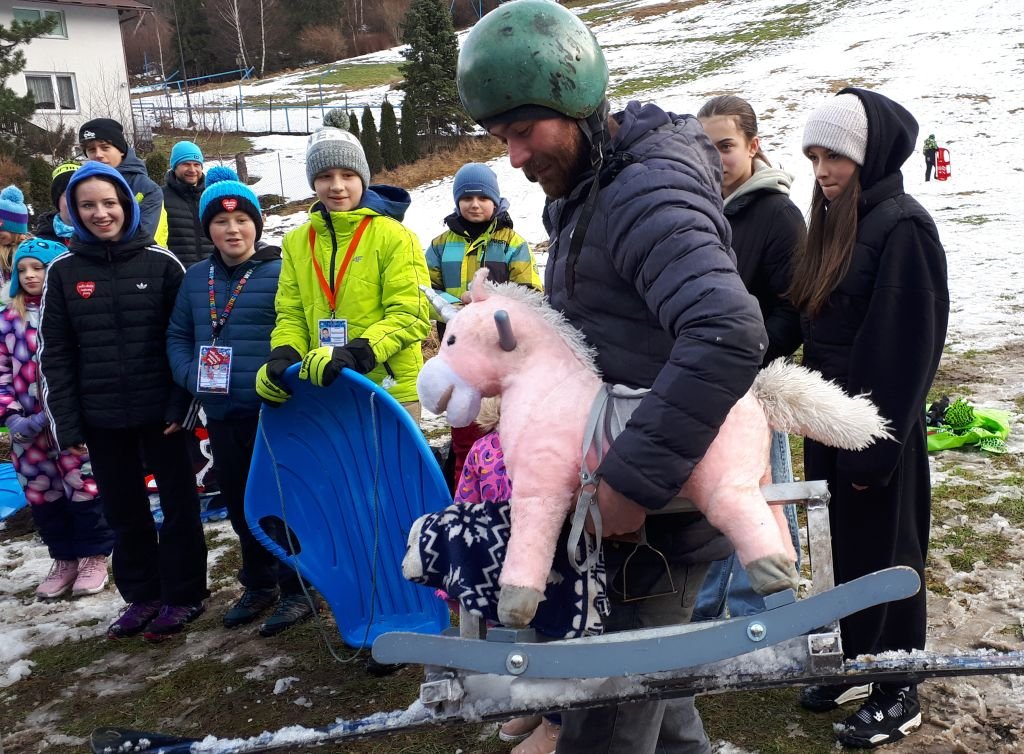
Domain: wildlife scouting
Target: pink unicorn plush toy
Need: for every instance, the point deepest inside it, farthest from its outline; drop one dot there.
(508, 342)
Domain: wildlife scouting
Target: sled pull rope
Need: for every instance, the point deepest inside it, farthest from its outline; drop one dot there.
(376, 535)
(593, 437)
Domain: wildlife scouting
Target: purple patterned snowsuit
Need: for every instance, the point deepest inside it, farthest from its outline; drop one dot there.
(58, 485)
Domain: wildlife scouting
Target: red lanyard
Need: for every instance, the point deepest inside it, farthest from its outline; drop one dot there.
(329, 291)
(218, 322)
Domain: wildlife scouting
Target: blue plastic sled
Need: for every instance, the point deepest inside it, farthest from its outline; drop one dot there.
(12, 497)
(355, 472)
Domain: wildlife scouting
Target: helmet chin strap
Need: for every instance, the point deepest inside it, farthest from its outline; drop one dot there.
(595, 131)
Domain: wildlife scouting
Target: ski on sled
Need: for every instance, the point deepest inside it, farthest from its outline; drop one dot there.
(453, 697)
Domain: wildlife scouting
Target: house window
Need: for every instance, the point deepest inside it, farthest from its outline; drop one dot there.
(52, 91)
(29, 15)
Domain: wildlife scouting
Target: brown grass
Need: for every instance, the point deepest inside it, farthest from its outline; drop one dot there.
(442, 164)
(662, 8)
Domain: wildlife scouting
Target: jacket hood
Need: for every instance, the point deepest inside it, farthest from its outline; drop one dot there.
(133, 164)
(109, 174)
(765, 178)
(387, 200)
(892, 136)
(638, 120)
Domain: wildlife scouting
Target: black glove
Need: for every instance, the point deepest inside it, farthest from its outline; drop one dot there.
(270, 384)
(321, 366)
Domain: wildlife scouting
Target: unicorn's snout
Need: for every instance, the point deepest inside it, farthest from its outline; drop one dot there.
(441, 389)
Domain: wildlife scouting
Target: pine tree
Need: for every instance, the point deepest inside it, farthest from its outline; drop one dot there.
(353, 124)
(12, 61)
(39, 171)
(390, 146)
(196, 38)
(408, 134)
(371, 146)
(429, 72)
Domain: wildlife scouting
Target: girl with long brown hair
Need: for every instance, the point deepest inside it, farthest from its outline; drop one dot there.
(871, 288)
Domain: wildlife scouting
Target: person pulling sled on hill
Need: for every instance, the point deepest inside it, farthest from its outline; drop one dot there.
(930, 148)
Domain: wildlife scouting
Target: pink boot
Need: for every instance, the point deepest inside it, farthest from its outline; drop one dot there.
(92, 575)
(62, 575)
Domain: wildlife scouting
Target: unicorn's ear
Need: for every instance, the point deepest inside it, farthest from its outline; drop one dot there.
(478, 288)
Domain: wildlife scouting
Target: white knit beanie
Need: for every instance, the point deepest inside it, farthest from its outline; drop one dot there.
(334, 148)
(840, 125)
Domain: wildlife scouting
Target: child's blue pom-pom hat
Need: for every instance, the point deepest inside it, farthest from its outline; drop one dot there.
(225, 193)
(34, 248)
(13, 212)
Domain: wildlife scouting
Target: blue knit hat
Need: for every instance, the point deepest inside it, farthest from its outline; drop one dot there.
(92, 169)
(185, 151)
(34, 248)
(225, 193)
(13, 212)
(476, 179)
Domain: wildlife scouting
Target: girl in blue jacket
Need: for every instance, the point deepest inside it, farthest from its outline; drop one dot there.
(218, 337)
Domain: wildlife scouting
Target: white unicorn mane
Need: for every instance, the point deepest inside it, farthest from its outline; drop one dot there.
(536, 301)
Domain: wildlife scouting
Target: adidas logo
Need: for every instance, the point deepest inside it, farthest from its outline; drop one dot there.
(142, 286)
(86, 135)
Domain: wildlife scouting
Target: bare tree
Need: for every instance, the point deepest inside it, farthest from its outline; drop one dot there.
(264, 6)
(231, 13)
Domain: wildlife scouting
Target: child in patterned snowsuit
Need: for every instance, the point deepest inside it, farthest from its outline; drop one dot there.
(58, 484)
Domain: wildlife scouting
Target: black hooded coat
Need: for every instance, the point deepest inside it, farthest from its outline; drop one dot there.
(881, 332)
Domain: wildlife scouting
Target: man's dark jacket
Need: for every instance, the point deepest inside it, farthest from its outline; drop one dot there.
(658, 295)
(185, 236)
(106, 306)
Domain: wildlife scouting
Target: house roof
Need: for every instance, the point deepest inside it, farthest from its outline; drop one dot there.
(119, 4)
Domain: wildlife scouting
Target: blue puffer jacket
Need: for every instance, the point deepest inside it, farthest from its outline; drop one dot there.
(247, 330)
(657, 294)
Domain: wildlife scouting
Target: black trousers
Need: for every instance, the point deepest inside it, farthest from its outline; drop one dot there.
(171, 566)
(233, 441)
(929, 165)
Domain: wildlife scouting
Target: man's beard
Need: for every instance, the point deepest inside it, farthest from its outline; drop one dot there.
(563, 170)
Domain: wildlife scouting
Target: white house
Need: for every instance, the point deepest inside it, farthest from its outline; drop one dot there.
(77, 71)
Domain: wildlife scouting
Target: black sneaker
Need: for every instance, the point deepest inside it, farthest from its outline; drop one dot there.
(886, 717)
(292, 609)
(830, 697)
(249, 606)
(171, 621)
(382, 669)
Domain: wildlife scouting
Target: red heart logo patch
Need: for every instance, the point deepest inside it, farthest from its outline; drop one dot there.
(229, 205)
(85, 288)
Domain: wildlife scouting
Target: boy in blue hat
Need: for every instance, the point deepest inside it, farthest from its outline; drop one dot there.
(218, 338)
(479, 235)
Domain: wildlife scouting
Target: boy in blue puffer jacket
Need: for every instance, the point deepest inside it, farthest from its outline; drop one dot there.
(218, 337)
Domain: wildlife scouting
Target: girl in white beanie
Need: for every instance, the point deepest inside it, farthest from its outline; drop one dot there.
(871, 288)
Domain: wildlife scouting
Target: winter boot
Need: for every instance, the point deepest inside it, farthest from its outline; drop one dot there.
(382, 669)
(172, 621)
(249, 606)
(59, 580)
(825, 698)
(291, 610)
(133, 619)
(889, 714)
(92, 576)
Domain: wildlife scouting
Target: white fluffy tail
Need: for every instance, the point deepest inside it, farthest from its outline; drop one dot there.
(800, 401)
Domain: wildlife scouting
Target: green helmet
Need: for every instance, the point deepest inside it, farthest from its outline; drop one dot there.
(531, 52)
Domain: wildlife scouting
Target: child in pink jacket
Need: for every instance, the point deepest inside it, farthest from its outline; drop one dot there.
(58, 484)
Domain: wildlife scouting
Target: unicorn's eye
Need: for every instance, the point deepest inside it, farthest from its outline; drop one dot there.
(451, 340)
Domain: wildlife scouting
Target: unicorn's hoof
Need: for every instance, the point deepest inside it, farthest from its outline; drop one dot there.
(517, 605)
(412, 563)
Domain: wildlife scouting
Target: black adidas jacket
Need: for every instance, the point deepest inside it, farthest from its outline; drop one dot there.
(103, 326)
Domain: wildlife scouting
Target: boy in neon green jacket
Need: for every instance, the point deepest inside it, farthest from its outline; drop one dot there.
(349, 293)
